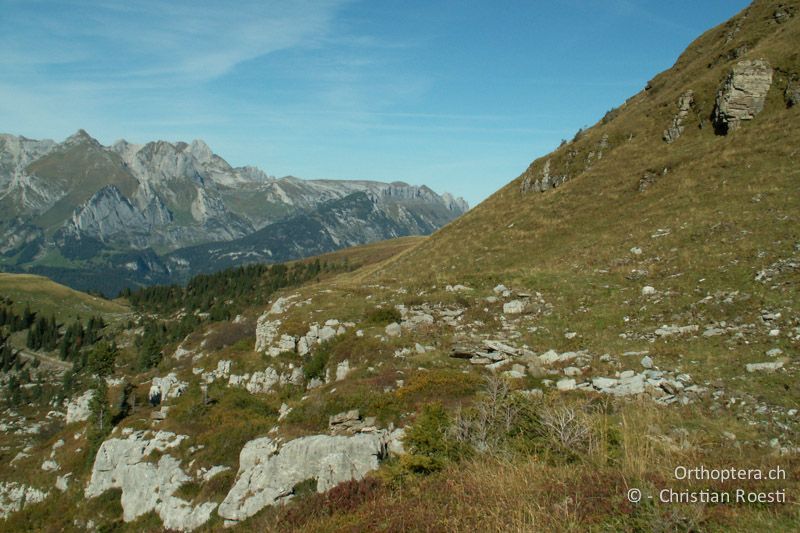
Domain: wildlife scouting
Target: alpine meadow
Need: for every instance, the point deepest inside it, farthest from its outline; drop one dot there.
(609, 342)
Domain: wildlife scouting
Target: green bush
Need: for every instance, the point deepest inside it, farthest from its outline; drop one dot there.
(429, 448)
(101, 359)
(384, 316)
(315, 368)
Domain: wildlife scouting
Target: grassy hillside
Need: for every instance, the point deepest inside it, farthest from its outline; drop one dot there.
(50, 298)
(599, 213)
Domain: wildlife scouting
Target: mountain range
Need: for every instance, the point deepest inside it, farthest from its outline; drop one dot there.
(108, 217)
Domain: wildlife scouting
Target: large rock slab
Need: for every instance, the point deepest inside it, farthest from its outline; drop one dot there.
(268, 473)
(146, 485)
(742, 94)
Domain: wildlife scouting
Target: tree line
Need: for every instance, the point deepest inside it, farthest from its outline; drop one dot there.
(223, 294)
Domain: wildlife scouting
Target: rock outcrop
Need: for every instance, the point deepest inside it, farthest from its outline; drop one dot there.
(14, 496)
(263, 381)
(147, 485)
(168, 387)
(78, 408)
(544, 181)
(792, 93)
(675, 130)
(742, 95)
(268, 473)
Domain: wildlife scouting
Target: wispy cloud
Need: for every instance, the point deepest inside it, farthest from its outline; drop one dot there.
(183, 40)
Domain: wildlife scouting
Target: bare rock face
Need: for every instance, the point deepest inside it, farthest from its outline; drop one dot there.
(268, 474)
(147, 485)
(675, 130)
(78, 409)
(742, 94)
(266, 331)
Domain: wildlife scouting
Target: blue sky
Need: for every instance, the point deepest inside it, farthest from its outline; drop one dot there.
(459, 95)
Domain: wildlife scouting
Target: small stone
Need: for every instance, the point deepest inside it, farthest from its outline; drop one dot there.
(647, 290)
(514, 307)
(647, 362)
(636, 250)
(549, 357)
(774, 332)
(775, 352)
(604, 383)
(393, 330)
(500, 289)
(62, 482)
(564, 385)
(767, 367)
(342, 369)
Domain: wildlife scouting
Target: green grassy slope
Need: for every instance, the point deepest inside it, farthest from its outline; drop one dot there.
(48, 297)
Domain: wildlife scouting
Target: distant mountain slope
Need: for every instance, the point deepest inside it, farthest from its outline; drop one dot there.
(84, 212)
(356, 219)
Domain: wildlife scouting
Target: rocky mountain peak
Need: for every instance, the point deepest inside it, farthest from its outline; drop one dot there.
(201, 151)
(80, 137)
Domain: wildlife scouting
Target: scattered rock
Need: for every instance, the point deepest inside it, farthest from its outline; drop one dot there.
(501, 290)
(517, 372)
(742, 94)
(647, 362)
(566, 385)
(775, 352)
(514, 307)
(649, 179)
(764, 367)
(667, 331)
(49, 465)
(647, 290)
(14, 496)
(393, 330)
